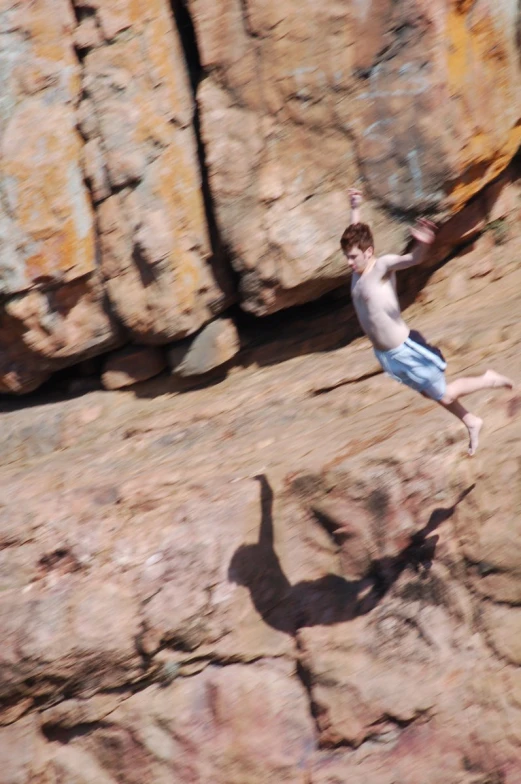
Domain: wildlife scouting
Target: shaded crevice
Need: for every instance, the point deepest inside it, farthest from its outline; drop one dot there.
(222, 267)
(387, 730)
(81, 13)
(55, 733)
(306, 679)
(186, 30)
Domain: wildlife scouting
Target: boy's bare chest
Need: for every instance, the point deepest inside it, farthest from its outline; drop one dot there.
(369, 290)
(363, 288)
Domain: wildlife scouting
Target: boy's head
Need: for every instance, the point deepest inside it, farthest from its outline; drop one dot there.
(357, 244)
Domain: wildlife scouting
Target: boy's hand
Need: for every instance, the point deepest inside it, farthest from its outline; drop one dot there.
(355, 197)
(424, 231)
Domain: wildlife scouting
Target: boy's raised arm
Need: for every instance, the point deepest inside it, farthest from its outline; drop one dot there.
(356, 198)
(424, 232)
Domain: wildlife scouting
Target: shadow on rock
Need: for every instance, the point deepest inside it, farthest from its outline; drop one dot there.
(330, 599)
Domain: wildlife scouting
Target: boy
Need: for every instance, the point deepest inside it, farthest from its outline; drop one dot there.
(404, 354)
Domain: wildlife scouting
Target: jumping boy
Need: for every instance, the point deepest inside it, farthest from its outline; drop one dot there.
(402, 353)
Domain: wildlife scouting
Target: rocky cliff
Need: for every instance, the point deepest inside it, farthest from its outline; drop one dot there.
(161, 161)
(295, 575)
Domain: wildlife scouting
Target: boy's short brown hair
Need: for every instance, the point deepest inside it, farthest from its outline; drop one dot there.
(357, 235)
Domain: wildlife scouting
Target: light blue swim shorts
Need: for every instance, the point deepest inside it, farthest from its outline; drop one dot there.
(417, 365)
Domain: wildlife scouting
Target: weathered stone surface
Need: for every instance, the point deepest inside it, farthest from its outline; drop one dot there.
(137, 157)
(46, 220)
(130, 365)
(299, 102)
(155, 251)
(215, 345)
(64, 635)
(503, 626)
(76, 607)
(164, 607)
(101, 172)
(427, 753)
(70, 713)
(298, 558)
(43, 331)
(222, 586)
(224, 725)
(23, 753)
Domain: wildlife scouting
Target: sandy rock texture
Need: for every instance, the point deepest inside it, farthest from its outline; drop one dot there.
(301, 100)
(294, 575)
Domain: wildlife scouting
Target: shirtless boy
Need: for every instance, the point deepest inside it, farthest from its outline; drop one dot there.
(404, 354)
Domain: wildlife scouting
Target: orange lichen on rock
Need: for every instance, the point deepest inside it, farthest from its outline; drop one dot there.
(46, 193)
(46, 200)
(54, 313)
(47, 26)
(482, 86)
(158, 278)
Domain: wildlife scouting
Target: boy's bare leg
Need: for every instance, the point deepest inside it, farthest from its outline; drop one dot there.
(472, 423)
(465, 386)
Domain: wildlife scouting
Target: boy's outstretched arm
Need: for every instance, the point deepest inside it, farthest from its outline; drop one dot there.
(356, 199)
(424, 232)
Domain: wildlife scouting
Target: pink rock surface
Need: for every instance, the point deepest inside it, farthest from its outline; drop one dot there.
(293, 576)
(200, 728)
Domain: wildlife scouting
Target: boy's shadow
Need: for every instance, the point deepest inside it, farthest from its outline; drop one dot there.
(330, 599)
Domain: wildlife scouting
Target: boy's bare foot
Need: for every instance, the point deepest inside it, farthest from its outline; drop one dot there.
(495, 380)
(473, 425)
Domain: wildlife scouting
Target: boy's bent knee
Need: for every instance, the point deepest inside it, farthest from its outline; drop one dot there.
(447, 399)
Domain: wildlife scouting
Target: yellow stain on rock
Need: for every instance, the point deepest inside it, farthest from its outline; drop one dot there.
(178, 187)
(48, 25)
(41, 163)
(481, 84)
(166, 62)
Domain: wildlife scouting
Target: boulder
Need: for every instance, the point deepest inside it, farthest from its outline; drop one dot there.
(216, 344)
(130, 365)
(177, 732)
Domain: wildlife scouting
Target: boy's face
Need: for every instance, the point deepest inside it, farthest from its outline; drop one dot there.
(358, 259)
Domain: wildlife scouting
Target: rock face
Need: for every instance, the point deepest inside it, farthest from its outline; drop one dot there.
(102, 216)
(106, 213)
(53, 311)
(138, 110)
(215, 345)
(300, 101)
(132, 364)
(296, 575)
